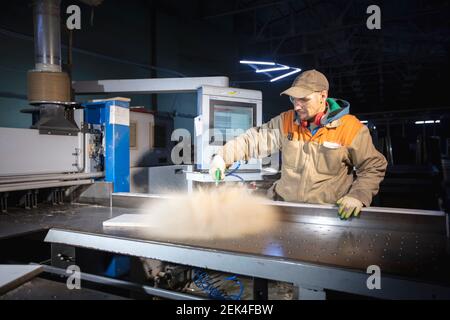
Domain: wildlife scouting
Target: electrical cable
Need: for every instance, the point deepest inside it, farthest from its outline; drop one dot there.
(231, 173)
(213, 288)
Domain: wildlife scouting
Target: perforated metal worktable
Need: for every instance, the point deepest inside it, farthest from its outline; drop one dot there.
(311, 247)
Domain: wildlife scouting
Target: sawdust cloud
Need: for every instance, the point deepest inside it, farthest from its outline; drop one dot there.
(217, 213)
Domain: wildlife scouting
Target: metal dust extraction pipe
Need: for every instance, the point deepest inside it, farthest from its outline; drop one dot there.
(47, 35)
(47, 83)
(49, 89)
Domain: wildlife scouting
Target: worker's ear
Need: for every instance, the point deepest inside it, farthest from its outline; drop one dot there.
(324, 94)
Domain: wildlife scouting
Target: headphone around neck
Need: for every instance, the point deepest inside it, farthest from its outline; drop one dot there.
(317, 120)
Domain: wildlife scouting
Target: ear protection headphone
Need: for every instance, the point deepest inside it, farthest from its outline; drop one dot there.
(316, 120)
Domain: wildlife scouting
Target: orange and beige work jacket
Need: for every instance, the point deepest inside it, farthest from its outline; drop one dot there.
(338, 159)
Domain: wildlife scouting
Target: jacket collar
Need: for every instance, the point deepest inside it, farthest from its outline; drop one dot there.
(336, 109)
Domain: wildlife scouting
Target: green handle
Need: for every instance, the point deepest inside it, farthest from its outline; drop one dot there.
(218, 175)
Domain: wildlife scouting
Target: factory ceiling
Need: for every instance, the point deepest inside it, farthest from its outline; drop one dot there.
(405, 64)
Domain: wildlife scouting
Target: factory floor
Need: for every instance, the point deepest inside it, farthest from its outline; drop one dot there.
(44, 289)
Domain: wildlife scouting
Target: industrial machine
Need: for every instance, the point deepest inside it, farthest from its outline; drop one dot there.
(65, 146)
(224, 113)
(63, 178)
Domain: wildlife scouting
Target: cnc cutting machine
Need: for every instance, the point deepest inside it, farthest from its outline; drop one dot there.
(312, 250)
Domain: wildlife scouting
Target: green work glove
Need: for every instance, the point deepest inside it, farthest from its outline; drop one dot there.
(349, 206)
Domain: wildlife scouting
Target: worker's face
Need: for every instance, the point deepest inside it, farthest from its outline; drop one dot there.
(307, 107)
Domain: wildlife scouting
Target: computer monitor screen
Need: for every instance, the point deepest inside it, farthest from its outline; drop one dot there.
(225, 115)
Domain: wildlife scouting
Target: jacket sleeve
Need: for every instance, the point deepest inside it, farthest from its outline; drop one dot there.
(370, 167)
(257, 142)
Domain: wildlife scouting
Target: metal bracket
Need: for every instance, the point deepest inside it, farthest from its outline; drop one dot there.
(62, 256)
(30, 199)
(309, 294)
(260, 289)
(57, 196)
(4, 202)
(76, 154)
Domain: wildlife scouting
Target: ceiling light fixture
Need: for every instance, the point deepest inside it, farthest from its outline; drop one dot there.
(283, 67)
(296, 70)
(257, 62)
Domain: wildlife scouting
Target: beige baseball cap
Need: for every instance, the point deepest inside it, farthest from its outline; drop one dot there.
(306, 83)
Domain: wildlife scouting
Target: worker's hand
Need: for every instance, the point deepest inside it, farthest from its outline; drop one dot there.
(349, 206)
(217, 163)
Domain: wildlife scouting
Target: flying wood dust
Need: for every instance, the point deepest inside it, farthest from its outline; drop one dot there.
(216, 213)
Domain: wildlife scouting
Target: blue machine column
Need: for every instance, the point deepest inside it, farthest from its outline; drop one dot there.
(114, 116)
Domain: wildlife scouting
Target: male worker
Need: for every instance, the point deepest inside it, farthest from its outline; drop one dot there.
(321, 144)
